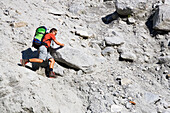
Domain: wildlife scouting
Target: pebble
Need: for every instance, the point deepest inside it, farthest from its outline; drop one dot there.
(6, 12)
(19, 24)
(128, 105)
(131, 20)
(116, 108)
(165, 72)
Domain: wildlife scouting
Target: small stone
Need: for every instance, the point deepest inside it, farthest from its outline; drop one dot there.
(6, 12)
(19, 24)
(129, 98)
(114, 41)
(131, 20)
(128, 105)
(83, 34)
(157, 68)
(18, 12)
(146, 59)
(164, 59)
(80, 72)
(107, 51)
(159, 109)
(122, 101)
(144, 68)
(88, 111)
(165, 72)
(165, 104)
(126, 81)
(56, 12)
(116, 108)
(150, 97)
(128, 56)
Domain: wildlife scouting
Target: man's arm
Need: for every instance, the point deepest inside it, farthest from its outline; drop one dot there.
(58, 43)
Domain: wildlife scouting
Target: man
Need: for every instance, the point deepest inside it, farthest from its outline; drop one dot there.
(44, 53)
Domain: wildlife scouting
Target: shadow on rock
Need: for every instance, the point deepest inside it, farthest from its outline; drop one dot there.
(111, 17)
(28, 54)
(149, 24)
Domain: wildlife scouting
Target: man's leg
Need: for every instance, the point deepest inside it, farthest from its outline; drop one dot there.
(25, 61)
(36, 60)
(52, 61)
(42, 56)
(52, 74)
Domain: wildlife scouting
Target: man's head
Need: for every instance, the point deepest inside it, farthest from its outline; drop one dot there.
(53, 31)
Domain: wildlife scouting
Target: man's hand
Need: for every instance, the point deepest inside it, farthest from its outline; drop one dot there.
(58, 43)
(62, 45)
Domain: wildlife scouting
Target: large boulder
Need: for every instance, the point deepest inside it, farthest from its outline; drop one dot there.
(123, 7)
(23, 91)
(161, 19)
(127, 7)
(74, 58)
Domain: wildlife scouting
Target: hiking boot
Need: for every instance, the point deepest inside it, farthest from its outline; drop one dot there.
(52, 75)
(24, 62)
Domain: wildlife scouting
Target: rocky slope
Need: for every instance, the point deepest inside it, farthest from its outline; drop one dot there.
(116, 57)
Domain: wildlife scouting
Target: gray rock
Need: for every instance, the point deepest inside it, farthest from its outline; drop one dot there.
(123, 7)
(129, 56)
(150, 97)
(56, 12)
(80, 72)
(160, 109)
(131, 20)
(108, 51)
(6, 12)
(165, 72)
(35, 93)
(127, 7)
(74, 58)
(161, 18)
(165, 104)
(139, 8)
(76, 8)
(116, 108)
(88, 111)
(128, 105)
(126, 81)
(59, 70)
(114, 41)
(83, 33)
(19, 24)
(164, 59)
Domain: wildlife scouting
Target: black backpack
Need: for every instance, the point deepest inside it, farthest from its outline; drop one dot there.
(38, 37)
